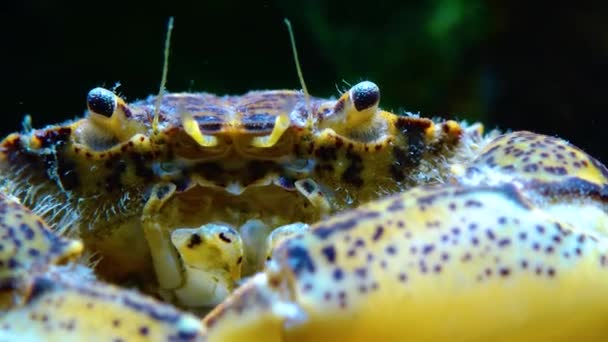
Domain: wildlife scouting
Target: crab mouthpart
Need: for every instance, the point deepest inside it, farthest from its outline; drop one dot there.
(212, 256)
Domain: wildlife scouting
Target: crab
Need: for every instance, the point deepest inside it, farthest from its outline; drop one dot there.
(494, 232)
(293, 217)
(186, 201)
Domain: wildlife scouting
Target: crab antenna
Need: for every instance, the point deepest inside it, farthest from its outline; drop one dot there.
(163, 80)
(299, 69)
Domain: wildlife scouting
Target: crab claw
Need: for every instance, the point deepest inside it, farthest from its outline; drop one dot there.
(255, 312)
(281, 234)
(551, 169)
(28, 247)
(43, 300)
(64, 307)
(475, 263)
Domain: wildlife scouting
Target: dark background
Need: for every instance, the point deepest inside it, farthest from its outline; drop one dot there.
(528, 66)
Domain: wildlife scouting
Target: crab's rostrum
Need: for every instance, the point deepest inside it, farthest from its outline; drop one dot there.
(338, 220)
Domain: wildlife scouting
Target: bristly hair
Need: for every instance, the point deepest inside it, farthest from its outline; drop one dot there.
(53, 205)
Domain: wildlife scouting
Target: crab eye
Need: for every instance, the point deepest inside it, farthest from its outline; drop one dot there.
(101, 101)
(108, 121)
(365, 95)
(355, 114)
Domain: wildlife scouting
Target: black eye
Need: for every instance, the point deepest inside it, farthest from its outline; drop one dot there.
(101, 101)
(365, 95)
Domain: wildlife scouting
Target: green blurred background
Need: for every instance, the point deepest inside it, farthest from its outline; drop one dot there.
(513, 65)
